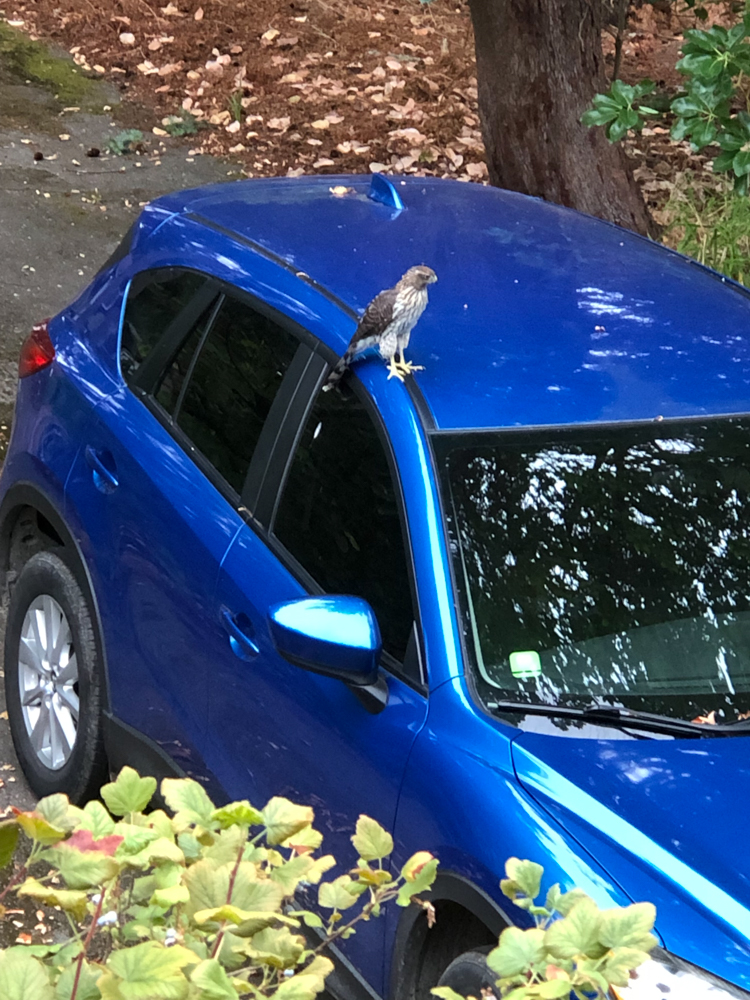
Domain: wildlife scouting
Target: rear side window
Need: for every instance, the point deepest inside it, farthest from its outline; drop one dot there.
(155, 300)
(339, 515)
(221, 384)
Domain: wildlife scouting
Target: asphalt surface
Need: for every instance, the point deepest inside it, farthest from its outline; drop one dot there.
(60, 218)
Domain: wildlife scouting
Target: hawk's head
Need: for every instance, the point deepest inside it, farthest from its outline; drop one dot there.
(419, 277)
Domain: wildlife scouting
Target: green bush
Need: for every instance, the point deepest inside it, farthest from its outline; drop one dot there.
(198, 904)
(575, 949)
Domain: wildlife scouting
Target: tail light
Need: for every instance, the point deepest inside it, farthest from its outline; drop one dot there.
(37, 352)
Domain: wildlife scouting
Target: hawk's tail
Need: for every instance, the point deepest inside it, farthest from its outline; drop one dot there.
(337, 372)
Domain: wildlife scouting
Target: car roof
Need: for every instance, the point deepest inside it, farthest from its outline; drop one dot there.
(541, 315)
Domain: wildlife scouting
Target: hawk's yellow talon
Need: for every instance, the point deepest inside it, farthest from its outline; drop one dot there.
(408, 368)
(393, 371)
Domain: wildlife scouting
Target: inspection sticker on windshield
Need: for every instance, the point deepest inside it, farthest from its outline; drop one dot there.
(526, 663)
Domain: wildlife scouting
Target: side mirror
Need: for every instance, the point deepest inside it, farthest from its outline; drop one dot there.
(335, 635)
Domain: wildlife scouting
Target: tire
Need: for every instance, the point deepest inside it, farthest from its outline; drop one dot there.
(469, 974)
(58, 732)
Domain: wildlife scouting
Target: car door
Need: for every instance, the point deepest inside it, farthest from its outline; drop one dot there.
(158, 484)
(277, 729)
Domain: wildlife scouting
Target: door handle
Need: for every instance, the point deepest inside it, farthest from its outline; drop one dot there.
(104, 478)
(241, 643)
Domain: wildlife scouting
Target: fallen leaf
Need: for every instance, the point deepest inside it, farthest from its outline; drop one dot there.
(287, 42)
(171, 11)
(198, 15)
(268, 36)
(321, 123)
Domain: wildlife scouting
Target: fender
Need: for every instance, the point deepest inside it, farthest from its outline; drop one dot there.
(448, 887)
(25, 494)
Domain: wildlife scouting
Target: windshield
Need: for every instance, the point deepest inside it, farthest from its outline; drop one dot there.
(606, 566)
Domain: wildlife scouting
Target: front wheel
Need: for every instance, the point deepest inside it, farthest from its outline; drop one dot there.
(469, 975)
(53, 684)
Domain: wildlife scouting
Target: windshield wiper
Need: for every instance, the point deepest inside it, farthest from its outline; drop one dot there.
(623, 718)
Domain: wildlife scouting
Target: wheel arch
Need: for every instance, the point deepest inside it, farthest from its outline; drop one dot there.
(54, 532)
(466, 917)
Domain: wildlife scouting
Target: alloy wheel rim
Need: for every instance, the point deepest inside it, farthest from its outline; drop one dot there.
(48, 682)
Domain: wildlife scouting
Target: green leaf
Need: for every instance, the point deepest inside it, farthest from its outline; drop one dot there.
(300, 987)
(8, 841)
(741, 163)
(58, 812)
(83, 870)
(599, 116)
(283, 819)
(226, 845)
(629, 927)
(72, 901)
(576, 934)
(171, 896)
(703, 65)
(96, 819)
(553, 988)
(87, 988)
(620, 962)
(568, 900)
(623, 93)
(723, 161)
(189, 801)
(277, 947)
(371, 841)
(517, 951)
(523, 877)
(128, 793)
(339, 894)
(148, 970)
(237, 814)
(37, 828)
(421, 882)
(212, 981)
(306, 839)
(703, 134)
(22, 976)
(617, 130)
(289, 874)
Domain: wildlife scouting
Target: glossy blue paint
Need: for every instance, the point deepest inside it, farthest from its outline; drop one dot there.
(337, 635)
(540, 316)
(650, 812)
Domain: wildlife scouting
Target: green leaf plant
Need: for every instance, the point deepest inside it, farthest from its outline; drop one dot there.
(713, 109)
(574, 948)
(198, 902)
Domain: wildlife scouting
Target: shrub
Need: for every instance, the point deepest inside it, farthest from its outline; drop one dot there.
(198, 904)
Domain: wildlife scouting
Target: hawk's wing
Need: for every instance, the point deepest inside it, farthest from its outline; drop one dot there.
(376, 319)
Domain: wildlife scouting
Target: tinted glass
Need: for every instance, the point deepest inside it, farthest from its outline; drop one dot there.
(169, 389)
(233, 383)
(609, 569)
(339, 515)
(153, 303)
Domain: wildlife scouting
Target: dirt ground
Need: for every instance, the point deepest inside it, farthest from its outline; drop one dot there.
(328, 86)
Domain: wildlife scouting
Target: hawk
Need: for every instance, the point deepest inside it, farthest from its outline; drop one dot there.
(387, 323)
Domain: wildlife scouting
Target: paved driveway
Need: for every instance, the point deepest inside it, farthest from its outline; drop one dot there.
(60, 217)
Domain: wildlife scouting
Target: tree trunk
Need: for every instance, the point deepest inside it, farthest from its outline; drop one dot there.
(538, 64)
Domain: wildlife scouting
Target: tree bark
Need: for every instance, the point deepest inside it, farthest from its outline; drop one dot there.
(538, 64)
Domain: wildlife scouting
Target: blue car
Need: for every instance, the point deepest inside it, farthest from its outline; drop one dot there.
(503, 605)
